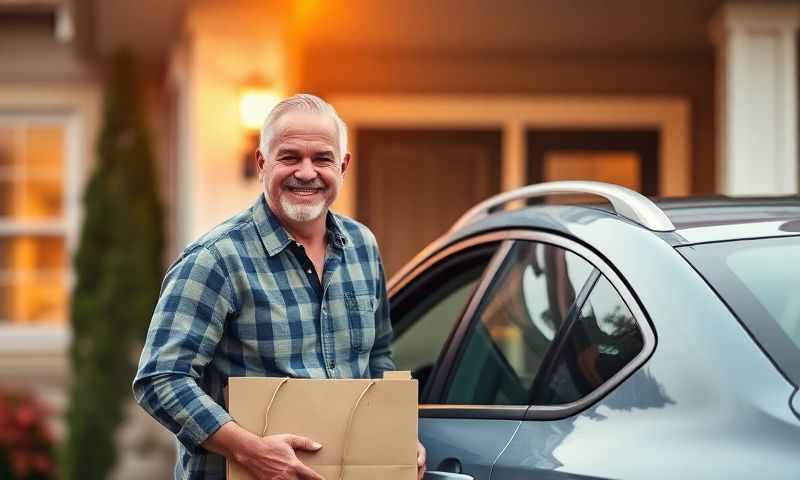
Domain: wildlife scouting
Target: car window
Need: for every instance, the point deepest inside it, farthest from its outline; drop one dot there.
(599, 343)
(529, 301)
(757, 279)
(425, 311)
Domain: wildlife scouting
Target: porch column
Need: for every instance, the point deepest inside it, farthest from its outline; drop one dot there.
(757, 105)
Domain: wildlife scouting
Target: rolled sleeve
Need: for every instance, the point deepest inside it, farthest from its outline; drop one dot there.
(186, 327)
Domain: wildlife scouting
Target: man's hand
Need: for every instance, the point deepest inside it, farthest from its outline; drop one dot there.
(271, 457)
(275, 459)
(420, 460)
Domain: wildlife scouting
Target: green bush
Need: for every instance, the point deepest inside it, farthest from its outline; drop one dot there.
(118, 268)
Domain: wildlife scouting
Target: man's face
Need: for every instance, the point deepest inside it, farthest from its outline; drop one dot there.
(303, 169)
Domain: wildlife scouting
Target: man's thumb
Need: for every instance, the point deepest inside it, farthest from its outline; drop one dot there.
(302, 443)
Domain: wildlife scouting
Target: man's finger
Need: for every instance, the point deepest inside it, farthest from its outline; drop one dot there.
(302, 443)
(304, 472)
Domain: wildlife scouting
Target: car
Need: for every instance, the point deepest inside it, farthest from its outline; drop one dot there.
(630, 339)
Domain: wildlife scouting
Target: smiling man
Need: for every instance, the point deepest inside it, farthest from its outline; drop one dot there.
(284, 288)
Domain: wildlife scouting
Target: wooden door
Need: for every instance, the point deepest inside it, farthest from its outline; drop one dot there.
(413, 184)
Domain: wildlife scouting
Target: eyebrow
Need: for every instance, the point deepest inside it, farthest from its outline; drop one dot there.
(296, 152)
(287, 151)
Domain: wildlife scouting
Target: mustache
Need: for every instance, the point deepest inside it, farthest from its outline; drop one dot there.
(292, 182)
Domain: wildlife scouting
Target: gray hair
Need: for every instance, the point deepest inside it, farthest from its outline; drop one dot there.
(303, 102)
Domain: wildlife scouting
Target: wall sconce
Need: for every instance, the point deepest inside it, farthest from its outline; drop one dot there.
(256, 99)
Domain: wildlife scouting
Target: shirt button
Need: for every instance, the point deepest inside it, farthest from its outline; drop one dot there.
(308, 271)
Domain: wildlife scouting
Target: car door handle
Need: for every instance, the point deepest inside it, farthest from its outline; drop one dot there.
(434, 475)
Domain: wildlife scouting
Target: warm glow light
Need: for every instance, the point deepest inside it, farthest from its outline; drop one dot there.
(254, 105)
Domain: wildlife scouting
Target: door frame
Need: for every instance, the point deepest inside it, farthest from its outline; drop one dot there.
(513, 115)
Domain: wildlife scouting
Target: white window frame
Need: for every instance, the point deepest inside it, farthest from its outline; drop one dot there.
(36, 337)
(78, 105)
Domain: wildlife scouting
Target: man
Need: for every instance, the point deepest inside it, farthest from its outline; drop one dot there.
(285, 288)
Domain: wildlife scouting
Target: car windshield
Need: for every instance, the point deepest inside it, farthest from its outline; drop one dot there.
(759, 280)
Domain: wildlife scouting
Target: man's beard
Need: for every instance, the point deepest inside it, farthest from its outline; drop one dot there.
(301, 212)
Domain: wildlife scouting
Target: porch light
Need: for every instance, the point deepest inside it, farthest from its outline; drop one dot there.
(256, 99)
(254, 104)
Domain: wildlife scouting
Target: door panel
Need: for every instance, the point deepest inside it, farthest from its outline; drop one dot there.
(424, 313)
(475, 443)
(413, 184)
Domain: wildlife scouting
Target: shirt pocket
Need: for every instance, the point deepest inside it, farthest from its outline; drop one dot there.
(361, 316)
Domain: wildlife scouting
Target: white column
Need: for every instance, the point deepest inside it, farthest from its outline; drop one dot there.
(757, 98)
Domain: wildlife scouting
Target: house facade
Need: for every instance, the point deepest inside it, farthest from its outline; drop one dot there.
(447, 103)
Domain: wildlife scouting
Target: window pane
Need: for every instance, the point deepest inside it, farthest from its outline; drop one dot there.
(604, 339)
(44, 147)
(758, 279)
(32, 171)
(44, 164)
(42, 198)
(528, 303)
(33, 280)
(437, 302)
(621, 168)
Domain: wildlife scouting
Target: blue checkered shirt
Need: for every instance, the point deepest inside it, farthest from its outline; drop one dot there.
(244, 300)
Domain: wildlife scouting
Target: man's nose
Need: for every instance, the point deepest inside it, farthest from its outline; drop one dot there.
(305, 170)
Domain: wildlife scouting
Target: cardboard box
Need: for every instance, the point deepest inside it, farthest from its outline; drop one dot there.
(367, 428)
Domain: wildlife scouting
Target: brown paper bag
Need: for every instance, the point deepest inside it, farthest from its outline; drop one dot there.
(367, 428)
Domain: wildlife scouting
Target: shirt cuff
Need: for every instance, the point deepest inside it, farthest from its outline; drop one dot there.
(204, 422)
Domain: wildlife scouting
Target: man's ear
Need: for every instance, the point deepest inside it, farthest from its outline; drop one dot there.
(345, 162)
(259, 164)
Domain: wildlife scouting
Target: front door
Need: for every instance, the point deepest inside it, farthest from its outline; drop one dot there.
(414, 184)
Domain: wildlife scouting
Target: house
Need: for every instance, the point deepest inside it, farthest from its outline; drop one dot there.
(447, 103)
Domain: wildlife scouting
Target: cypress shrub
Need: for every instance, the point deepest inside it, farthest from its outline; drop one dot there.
(118, 269)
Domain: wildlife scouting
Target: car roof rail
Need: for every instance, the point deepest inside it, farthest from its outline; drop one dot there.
(626, 203)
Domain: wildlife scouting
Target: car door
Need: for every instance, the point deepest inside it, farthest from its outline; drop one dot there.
(482, 386)
(550, 334)
(427, 306)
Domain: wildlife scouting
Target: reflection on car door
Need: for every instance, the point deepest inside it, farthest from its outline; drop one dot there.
(424, 314)
(572, 358)
(485, 381)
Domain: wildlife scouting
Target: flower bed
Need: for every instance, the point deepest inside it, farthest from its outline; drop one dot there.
(26, 443)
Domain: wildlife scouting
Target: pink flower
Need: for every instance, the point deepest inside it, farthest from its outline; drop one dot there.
(26, 416)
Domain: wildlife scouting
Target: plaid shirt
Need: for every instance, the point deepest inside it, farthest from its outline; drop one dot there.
(245, 300)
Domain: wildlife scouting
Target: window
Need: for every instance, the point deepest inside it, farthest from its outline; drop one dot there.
(530, 300)
(33, 218)
(757, 279)
(425, 312)
(602, 340)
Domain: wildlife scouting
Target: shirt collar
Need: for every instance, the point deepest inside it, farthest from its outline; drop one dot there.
(275, 237)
